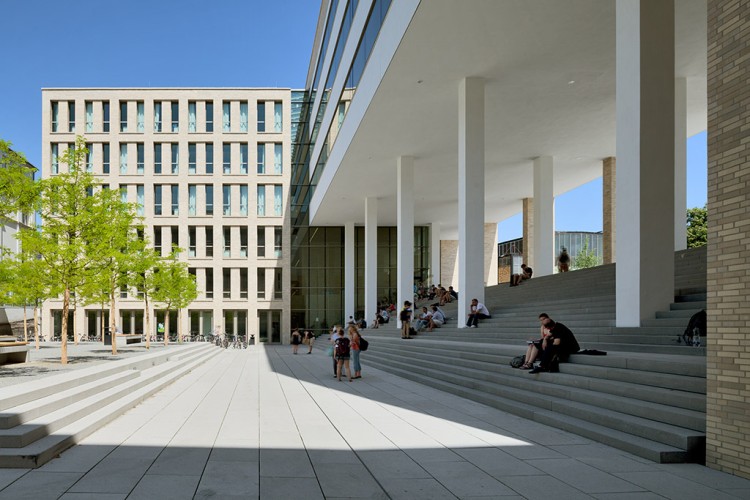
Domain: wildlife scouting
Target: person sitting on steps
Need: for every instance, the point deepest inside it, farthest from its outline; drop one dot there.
(560, 344)
(478, 311)
(526, 273)
(535, 346)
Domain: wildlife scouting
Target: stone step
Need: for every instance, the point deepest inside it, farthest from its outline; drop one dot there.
(646, 448)
(66, 427)
(695, 305)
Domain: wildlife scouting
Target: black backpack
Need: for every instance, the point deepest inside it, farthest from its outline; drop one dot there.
(342, 347)
(517, 361)
(363, 344)
(696, 328)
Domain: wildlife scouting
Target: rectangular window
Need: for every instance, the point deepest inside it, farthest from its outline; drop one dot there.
(277, 233)
(175, 199)
(277, 117)
(261, 283)
(227, 233)
(341, 113)
(157, 158)
(243, 283)
(227, 199)
(261, 158)
(261, 116)
(123, 159)
(157, 117)
(261, 241)
(209, 116)
(192, 200)
(243, 199)
(140, 153)
(209, 242)
(277, 158)
(89, 158)
(175, 237)
(157, 240)
(209, 158)
(243, 241)
(209, 283)
(243, 116)
(71, 116)
(226, 116)
(227, 157)
(140, 117)
(140, 199)
(277, 284)
(175, 158)
(55, 159)
(175, 116)
(55, 116)
(226, 278)
(192, 241)
(261, 200)
(89, 116)
(278, 202)
(157, 199)
(192, 125)
(105, 158)
(243, 158)
(105, 116)
(209, 199)
(123, 116)
(192, 167)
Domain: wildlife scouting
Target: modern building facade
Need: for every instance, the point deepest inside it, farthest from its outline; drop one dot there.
(208, 170)
(458, 115)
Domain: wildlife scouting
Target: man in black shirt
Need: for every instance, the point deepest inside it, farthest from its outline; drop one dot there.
(557, 346)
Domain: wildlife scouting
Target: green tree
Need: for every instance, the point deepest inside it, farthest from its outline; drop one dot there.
(75, 215)
(696, 227)
(143, 268)
(18, 191)
(586, 257)
(174, 287)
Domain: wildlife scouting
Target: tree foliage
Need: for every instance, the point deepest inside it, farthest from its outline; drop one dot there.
(696, 226)
(18, 191)
(174, 287)
(586, 257)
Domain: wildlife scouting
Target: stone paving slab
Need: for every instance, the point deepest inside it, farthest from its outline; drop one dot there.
(46, 361)
(262, 423)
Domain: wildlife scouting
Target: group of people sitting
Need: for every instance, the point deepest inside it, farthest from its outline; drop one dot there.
(556, 343)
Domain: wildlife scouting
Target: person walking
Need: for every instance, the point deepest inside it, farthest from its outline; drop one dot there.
(310, 337)
(563, 261)
(336, 334)
(354, 338)
(405, 318)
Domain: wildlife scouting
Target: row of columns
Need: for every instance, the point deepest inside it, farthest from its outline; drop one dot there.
(649, 182)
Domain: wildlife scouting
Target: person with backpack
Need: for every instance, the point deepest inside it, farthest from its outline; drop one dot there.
(296, 340)
(310, 337)
(405, 318)
(354, 342)
(342, 353)
(336, 333)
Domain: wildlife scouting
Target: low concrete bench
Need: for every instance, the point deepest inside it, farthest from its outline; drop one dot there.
(129, 338)
(13, 352)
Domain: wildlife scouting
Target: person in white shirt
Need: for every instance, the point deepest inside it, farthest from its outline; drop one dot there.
(478, 311)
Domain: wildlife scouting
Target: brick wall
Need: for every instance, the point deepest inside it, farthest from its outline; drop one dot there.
(728, 259)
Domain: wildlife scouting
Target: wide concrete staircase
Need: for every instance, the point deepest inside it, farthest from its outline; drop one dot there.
(646, 396)
(41, 418)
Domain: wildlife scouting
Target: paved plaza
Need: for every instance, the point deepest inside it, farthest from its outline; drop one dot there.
(265, 423)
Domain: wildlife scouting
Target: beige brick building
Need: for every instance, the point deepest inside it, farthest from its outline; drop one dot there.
(209, 170)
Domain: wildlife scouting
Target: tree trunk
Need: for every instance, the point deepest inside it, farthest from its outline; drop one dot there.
(166, 328)
(112, 322)
(64, 331)
(148, 324)
(75, 322)
(36, 325)
(101, 323)
(179, 325)
(25, 326)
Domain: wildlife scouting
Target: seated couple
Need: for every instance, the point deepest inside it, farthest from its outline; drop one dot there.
(556, 344)
(430, 319)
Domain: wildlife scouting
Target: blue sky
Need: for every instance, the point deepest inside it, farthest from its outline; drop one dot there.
(192, 43)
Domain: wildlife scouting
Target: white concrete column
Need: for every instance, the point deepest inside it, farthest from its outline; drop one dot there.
(680, 163)
(405, 228)
(645, 159)
(371, 257)
(544, 216)
(435, 253)
(490, 253)
(470, 194)
(349, 270)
